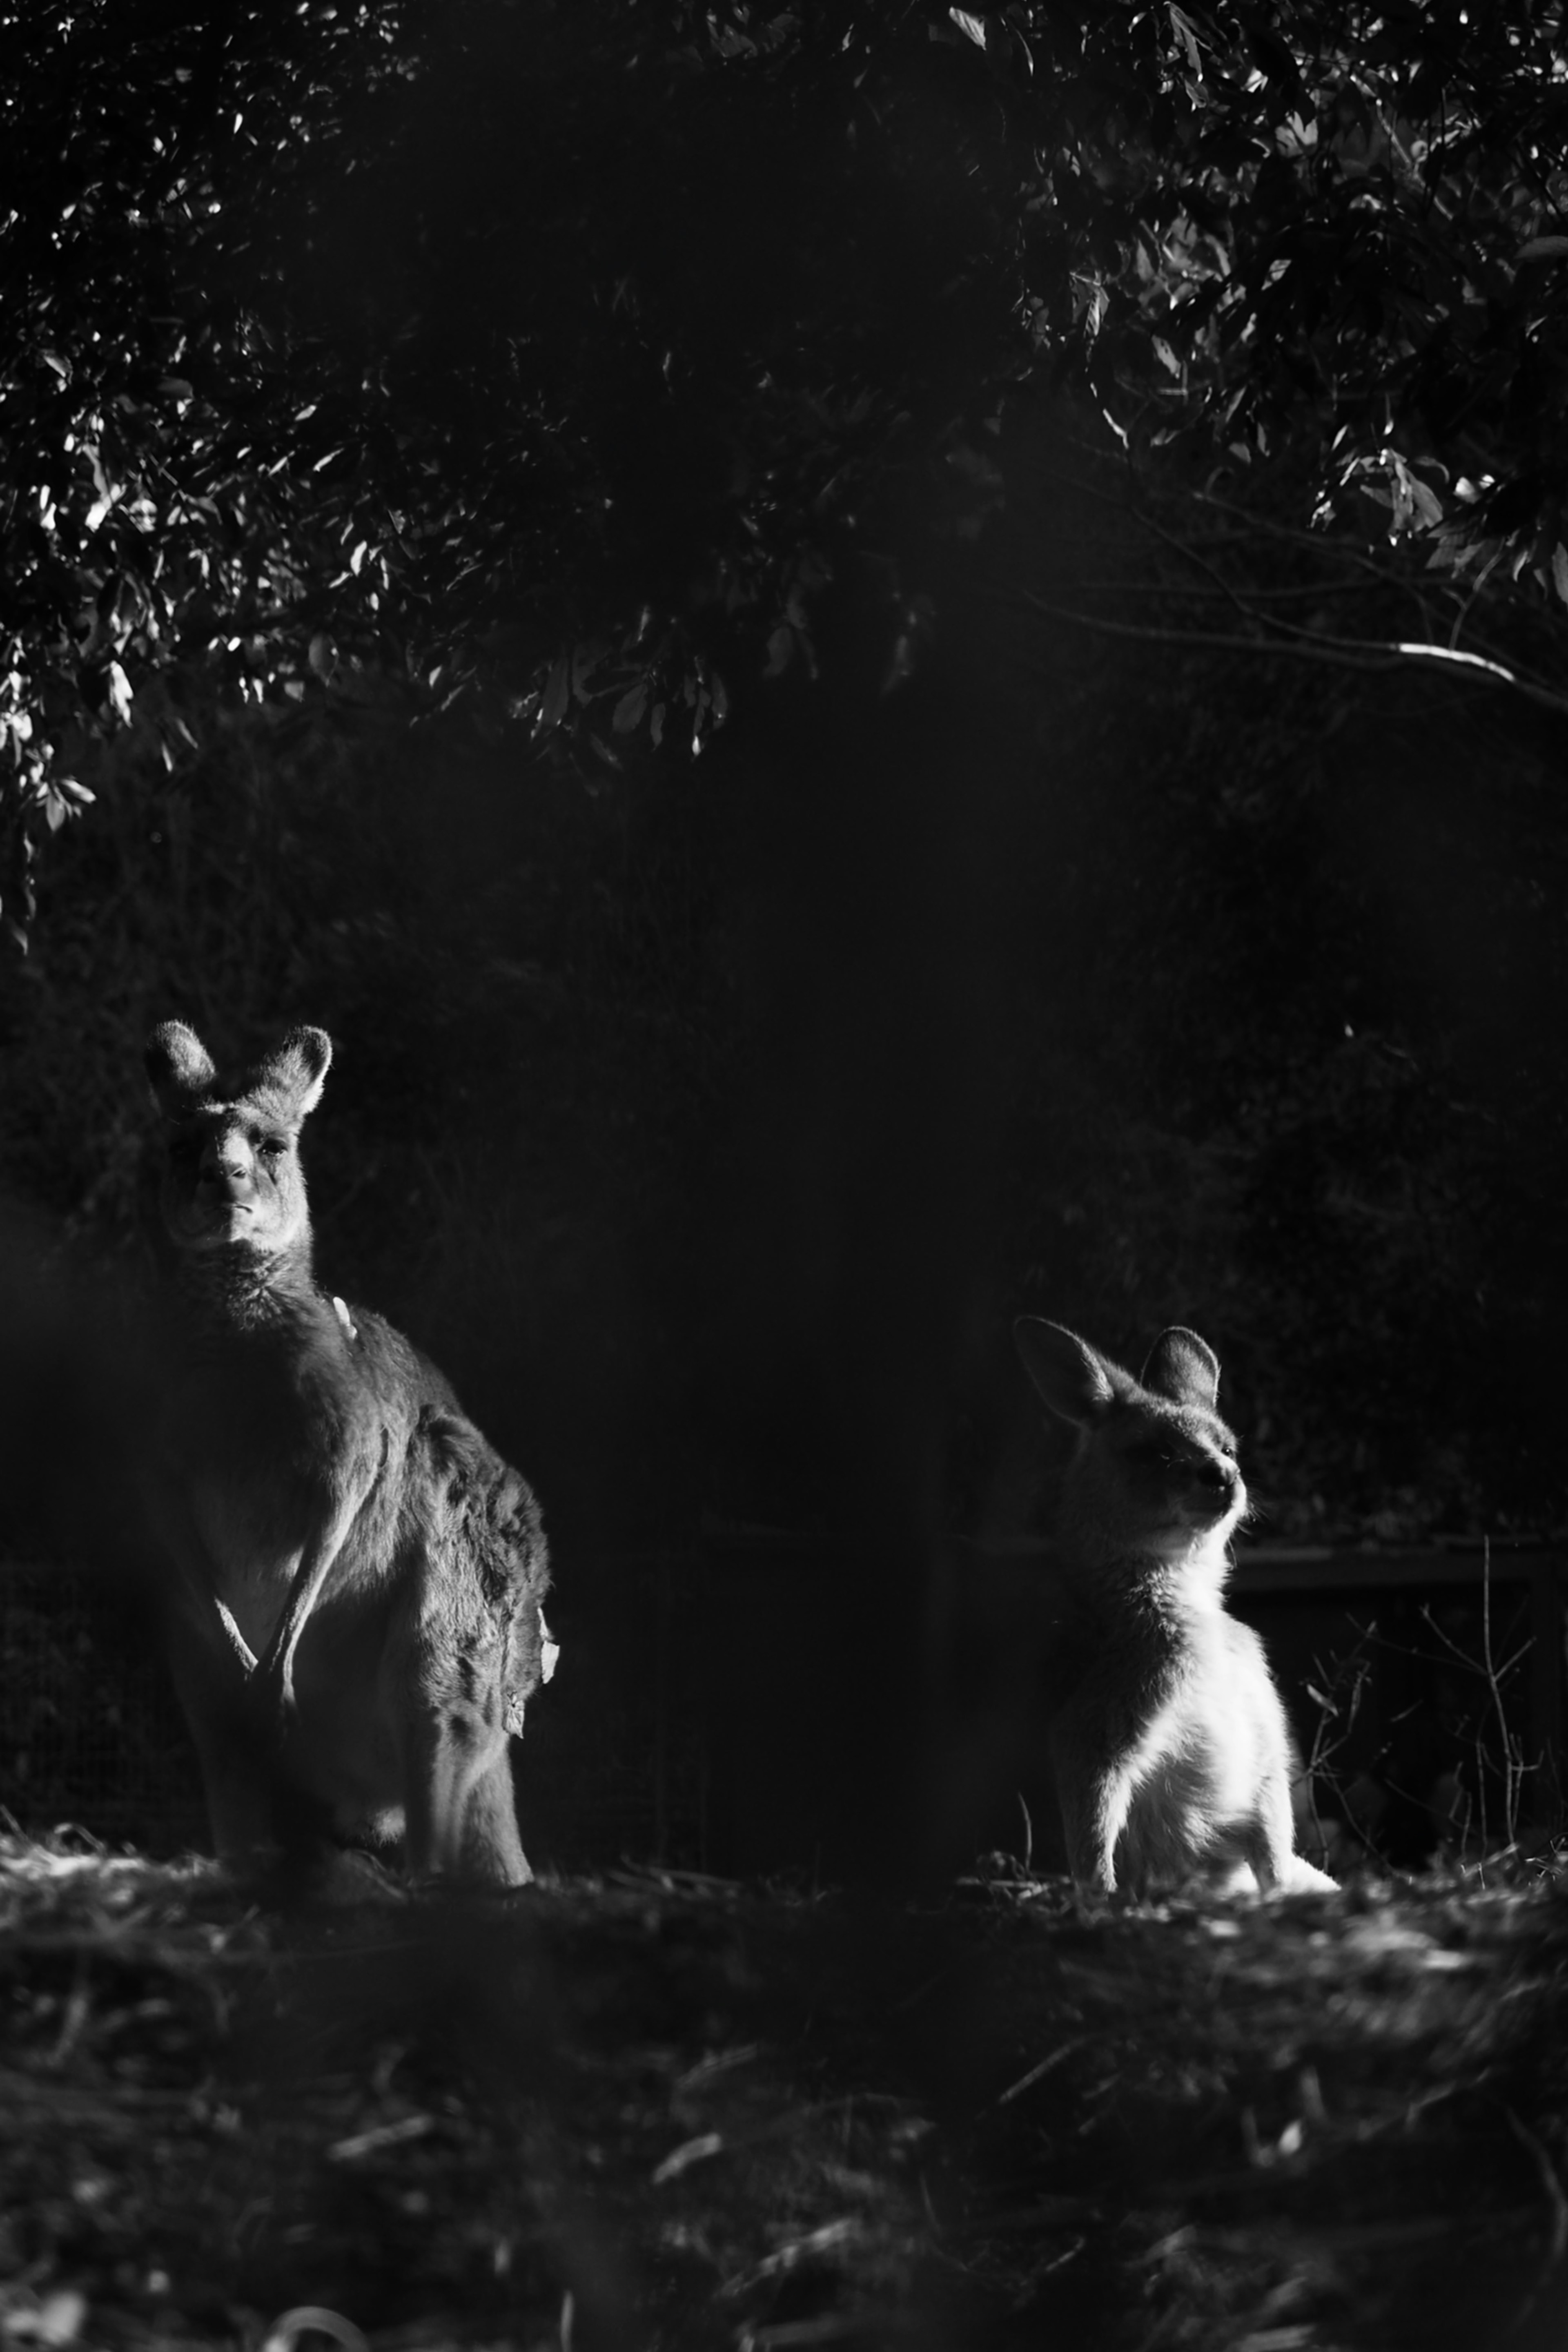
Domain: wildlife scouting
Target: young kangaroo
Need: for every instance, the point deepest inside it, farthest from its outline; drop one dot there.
(1167, 1736)
(355, 1620)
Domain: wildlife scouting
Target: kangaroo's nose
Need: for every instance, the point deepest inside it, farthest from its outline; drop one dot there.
(1217, 1476)
(226, 1165)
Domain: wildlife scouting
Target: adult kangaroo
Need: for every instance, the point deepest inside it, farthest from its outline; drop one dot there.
(354, 1618)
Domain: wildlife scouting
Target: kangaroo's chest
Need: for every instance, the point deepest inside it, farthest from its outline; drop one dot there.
(259, 1453)
(253, 1522)
(291, 1401)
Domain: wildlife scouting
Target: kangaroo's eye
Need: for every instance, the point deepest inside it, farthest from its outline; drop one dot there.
(272, 1147)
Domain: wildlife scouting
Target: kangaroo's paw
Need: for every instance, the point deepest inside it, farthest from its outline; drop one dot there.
(1300, 1876)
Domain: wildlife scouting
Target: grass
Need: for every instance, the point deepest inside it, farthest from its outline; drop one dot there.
(655, 2110)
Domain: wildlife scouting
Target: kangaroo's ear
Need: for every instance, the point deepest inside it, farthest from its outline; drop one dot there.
(1183, 1368)
(1076, 1383)
(295, 1072)
(178, 1065)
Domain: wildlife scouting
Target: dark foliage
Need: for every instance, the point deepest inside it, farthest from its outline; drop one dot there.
(567, 354)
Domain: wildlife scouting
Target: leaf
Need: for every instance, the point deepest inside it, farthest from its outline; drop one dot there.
(690, 2151)
(974, 25)
(584, 662)
(552, 704)
(781, 651)
(629, 710)
(312, 2319)
(116, 692)
(1182, 26)
(1428, 506)
(1278, 60)
(1560, 570)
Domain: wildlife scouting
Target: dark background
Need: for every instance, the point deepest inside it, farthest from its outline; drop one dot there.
(710, 1126)
(712, 1122)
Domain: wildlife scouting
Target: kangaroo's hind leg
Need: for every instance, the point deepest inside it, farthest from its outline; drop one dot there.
(492, 1851)
(457, 1786)
(470, 1656)
(234, 1771)
(1094, 1789)
(1268, 1840)
(259, 1815)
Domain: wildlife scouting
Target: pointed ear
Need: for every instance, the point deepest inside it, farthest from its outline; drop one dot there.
(1183, 1368)
(1076, 1383)
(178, 1066)
(295, 1071)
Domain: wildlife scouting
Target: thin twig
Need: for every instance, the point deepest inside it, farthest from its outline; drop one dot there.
(1513, 1769)
(1336, 653)
(1036, 2073)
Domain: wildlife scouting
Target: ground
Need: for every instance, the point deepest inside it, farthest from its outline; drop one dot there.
(653, 2110)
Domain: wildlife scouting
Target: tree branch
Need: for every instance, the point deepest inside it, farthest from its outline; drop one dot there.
(1336, 653)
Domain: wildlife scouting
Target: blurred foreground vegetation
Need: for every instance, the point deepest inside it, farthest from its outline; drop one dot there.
(662, 2111)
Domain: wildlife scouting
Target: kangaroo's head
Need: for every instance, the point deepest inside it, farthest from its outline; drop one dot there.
(233, 1179)
(1153, 1470)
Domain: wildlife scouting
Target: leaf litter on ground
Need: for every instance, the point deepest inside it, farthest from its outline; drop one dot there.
(657, 2110)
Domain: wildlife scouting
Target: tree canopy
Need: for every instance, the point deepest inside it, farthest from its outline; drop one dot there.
(557, 354)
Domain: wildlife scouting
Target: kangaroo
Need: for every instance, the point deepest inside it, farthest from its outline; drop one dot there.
(1167, 1736)
(353, 1620)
